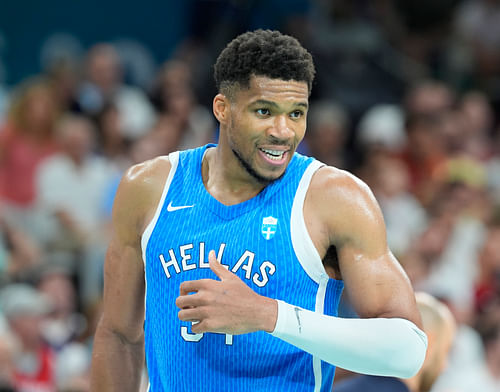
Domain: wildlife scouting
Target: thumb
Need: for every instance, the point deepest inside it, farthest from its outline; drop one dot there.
(218, 269)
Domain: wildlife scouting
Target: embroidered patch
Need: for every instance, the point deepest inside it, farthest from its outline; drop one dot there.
(269, 227)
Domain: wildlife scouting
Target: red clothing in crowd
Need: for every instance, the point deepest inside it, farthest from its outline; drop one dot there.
(42, 380)
(19, 159)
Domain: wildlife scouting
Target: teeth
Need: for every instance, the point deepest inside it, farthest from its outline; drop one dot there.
(275, 155)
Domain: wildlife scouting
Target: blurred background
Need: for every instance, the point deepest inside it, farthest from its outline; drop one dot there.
(407, 97)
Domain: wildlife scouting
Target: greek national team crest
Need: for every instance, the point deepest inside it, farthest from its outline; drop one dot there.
(269, 226)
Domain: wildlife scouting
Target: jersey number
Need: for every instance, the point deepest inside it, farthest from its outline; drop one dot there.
(196, 337)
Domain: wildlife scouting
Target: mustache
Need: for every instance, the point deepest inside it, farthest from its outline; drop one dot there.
(274, 141)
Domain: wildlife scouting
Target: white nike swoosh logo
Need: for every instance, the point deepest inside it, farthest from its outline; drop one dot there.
(171, 208)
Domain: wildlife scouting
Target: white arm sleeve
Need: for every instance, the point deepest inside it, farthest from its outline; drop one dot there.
(378, 346)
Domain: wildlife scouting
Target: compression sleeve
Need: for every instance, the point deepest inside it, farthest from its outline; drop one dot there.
(378, 346)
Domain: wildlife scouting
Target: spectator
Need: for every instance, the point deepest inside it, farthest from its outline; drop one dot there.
(71, 189)
(326, 135)
(25, 141)
(388, 178)
(104, 84)
(428, 97)
(64, 325)
(470, 370)
(111, 144)
(64, 75)
(182, 121)
(382, 127)
(478, 116)
(450, 245)
(25, 309)
(424, 154)
(478, 25)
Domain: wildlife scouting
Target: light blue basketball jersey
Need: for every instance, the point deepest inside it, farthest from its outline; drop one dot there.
(265, 242)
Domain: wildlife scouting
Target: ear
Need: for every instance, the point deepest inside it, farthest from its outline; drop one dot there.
(221, 107)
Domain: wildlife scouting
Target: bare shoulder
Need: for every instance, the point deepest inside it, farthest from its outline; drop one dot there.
(138, 195)
(345, 205)
(146, 175)
(331, 187)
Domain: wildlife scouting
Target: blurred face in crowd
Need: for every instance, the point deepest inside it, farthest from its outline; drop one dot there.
(39, 109)
(326, 139)
(103, 67)
(425, 136)
(76, 135)
(429, 98)
(148, 147)
(264, 124)
(433, 240)
(59, 289)
(390, 176)
(111, 127)
(179, 102)
(27, 327)
(477, 111)
(175, 74)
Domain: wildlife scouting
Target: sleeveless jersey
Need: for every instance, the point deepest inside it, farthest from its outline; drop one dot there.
(265, 242)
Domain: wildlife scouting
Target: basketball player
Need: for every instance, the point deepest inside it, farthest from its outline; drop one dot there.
(439, 325)
(217, 265)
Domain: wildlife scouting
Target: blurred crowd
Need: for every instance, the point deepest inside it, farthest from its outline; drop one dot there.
(407, 97)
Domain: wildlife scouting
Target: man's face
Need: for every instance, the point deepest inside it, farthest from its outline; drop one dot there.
(265, 124)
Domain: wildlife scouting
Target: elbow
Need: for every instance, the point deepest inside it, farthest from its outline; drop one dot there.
(126, 336)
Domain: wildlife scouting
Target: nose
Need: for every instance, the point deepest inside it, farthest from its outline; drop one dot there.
(281, 128)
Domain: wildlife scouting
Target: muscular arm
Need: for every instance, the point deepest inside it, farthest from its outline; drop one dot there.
(351, 218)
(341, 211)
(118, 354)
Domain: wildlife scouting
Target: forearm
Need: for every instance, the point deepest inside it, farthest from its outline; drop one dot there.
(116, 364)
(379, 346)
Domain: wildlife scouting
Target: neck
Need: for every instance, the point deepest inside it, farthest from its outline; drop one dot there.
(226, 179)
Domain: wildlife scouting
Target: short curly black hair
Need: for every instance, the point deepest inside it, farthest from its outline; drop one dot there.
(262, 53)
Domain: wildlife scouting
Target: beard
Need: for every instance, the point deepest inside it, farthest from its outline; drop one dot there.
(250, 170)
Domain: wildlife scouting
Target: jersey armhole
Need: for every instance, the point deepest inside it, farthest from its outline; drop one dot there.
(304, 248)
(174, 161)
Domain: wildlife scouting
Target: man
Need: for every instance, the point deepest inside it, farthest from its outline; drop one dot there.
(439, 325)
(275, 219)
(25, 310)
(71, 189)
(104, 84)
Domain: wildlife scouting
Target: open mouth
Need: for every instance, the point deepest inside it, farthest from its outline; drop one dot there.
(274, 155)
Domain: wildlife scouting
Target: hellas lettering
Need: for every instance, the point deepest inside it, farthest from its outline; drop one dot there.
(188, 258)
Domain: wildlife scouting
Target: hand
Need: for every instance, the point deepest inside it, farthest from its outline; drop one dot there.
(226, 306)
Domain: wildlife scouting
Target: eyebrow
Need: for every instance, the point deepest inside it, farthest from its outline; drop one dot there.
(275, 105)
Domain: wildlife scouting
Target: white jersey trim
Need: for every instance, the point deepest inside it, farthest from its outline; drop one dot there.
(174, 161)
(307, 254)
(304, 248)
(320, 308)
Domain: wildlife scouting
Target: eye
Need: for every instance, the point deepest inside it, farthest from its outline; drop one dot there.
(263, 112)
(296, 114)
